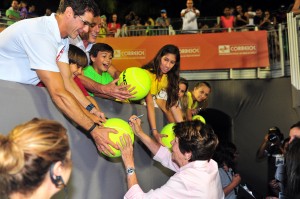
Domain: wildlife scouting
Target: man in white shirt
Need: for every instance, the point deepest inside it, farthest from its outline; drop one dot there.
(85, 42)
(37, 55)
(189, 18)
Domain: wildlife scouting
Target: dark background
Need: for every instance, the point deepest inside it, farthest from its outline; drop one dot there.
(152, 8)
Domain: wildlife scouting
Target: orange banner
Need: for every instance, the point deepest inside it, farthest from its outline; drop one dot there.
(197, 51)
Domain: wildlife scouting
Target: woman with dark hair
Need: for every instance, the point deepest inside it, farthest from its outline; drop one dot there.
(163, 70)
(196, 174)
(35, 160)
(225, 156)
(293, 169)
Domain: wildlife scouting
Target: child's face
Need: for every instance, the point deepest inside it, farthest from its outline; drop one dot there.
(201, 93)
(102, 62)
(167, 63)
(182, 90)
(75, 70)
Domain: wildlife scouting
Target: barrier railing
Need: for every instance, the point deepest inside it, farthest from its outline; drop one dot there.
(293, 38)
(279, 52)
(277, 44)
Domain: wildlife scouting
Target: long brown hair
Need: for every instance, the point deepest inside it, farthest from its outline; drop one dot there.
(173, 75)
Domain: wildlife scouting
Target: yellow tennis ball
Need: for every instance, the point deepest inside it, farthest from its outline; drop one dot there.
(137, 77)
(168, 130)
(122, 127)
(199, 117)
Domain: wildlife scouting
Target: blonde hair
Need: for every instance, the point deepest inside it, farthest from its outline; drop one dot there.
(27, 152)
(202, 104)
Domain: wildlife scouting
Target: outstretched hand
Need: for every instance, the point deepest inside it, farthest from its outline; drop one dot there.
(121, 92)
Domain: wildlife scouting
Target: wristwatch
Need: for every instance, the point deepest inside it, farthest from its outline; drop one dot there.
(130, 170)
(90, 107)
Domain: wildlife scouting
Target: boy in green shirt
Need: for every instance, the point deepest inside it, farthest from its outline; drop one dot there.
(101, 55)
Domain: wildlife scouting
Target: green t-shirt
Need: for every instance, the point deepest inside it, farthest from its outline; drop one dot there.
(104, 78)
(16, 14)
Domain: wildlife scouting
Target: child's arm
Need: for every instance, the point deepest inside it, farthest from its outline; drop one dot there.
(151, 117)
(176, 112)
(189, 114)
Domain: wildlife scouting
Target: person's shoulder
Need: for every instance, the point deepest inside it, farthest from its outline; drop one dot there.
(88, 70)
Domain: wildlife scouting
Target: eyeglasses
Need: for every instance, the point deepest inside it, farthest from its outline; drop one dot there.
(86, 23)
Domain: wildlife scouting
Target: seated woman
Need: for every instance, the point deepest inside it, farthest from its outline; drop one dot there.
(197, 174)
(35, 160)
(163, 70)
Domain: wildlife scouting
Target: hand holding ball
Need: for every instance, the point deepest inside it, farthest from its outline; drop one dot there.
(137, 77)
(123, 128)
(168, 130)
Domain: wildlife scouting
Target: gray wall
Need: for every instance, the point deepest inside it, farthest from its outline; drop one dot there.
(94, 175)
(253, 105)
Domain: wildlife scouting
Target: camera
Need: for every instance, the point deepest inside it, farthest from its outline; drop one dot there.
(275, 135)
(274, 138)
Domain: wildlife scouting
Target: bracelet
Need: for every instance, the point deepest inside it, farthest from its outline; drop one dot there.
(92, 128)
(90, 107)
(153, 130)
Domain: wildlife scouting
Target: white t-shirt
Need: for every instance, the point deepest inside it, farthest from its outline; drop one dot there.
(190, 21)
(79, 43)
(29, 45)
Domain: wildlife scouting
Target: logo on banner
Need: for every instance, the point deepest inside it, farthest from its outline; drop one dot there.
(237, 49)
(130, 54)
(190, 51)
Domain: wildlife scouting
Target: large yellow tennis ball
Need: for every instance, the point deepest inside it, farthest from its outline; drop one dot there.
(168, 130)
(137, 77)
(122, 127)
(199, 117)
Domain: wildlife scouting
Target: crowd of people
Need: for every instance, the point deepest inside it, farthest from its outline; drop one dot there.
(65, 58)
(233, 17)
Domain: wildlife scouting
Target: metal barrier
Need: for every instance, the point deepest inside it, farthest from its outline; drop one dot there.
(277, 43)
(279, 50)
(293, 38)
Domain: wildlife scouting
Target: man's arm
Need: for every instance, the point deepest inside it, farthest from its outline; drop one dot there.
(70, 85)
(71, 108)
(64, 99)
(115, 73)
(261, 152)
(119, 92)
